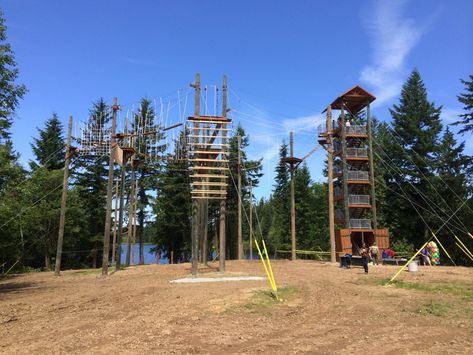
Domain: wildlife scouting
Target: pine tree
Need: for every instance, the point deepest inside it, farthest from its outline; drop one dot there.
(467, 100)
(92, 175)
(452, 186)
(49, 148)
(410, 159)
(251, 171)
(10, 93)
(147, 146)
(172, 207)
(280, 231)
(304, 202)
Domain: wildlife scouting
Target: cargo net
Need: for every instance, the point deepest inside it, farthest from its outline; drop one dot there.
(150, 131)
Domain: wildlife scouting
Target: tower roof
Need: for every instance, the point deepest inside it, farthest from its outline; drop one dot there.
(354, 99)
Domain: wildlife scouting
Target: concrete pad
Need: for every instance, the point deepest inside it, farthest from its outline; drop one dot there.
(217, 279)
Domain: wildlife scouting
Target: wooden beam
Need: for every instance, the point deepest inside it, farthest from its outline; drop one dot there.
(216, 192)
(209, 176)
(209, 183)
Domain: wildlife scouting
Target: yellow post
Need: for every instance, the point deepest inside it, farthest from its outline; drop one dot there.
(264, 264)
(444, 250)
(471, 236)
(405, 265)
(269, 264)
(464, 246)
(460, 247)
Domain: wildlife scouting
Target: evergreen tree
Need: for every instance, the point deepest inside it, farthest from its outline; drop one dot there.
(467, 100)
(280, 231)
(304, 203)
(172, 207)
(147, 146)
(92, 175)
(251, 171)
(10, 92)
(452, 186)
(410, 158)
(49, 148)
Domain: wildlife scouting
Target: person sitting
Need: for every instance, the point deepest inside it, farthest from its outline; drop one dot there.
(390, 253)
(384, 254)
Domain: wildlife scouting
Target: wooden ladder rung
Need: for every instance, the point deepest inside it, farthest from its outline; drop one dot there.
(211, 160)
(210, 197)
(209, 168)
(209, 183)
(207, 152)
(211, 176)
(217, 192)
(204, 136)
(203, 128)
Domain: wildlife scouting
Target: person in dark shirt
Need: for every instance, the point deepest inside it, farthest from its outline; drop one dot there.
(365, 255)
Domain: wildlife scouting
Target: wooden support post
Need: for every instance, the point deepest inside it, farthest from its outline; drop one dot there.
(195, 204)
(120, 214)
(239, 237)
(331, 217)
(65, 186)
(108, 217)
(222, 216)
(370, 152)
(130, 216)
(135, 200)
(346, 210)
(251, 221)
(114, 244)
(293, 202)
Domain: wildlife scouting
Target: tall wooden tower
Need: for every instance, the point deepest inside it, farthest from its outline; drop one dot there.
(208, 158)
(348, 140)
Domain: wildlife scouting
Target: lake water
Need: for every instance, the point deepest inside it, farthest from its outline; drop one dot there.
(150, 257)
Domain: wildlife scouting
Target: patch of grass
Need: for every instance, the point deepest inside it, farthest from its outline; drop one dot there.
(262, 300)
(456, 289)
(87, 272)
(435, 308)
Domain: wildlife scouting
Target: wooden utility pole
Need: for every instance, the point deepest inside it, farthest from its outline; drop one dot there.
(120, 214)
(135, 199)
(222, 216)
(108, 217)
(65, 186)
(114, 244)
(240, 239)
(251, 221)
(293, 203)
(370, 152)
(195, 203)
(130, 215)
(331, 217)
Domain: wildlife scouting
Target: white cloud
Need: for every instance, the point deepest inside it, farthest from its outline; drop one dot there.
(304, 123)
(393, 36)
(450, 115)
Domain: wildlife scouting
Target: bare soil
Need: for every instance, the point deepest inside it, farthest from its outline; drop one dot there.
(324, 309)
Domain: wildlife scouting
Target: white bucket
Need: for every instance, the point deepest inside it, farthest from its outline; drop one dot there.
(412, 267)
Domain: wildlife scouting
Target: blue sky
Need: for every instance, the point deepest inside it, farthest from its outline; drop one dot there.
(285, 60)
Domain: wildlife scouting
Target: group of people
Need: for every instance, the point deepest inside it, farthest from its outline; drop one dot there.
(371, 253)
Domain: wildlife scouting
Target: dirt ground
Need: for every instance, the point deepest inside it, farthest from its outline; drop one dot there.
(324, 309)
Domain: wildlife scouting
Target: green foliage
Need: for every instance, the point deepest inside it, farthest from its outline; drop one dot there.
(250, 171)
(10, 92)
(172, 207)
(49, 148)
(466, 99)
